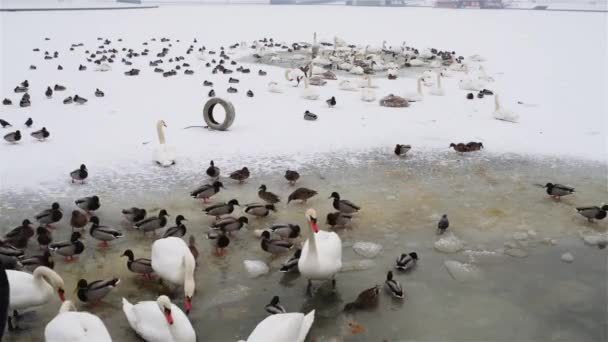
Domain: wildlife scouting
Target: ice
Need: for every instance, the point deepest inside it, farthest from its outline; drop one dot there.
(483, 256)
(519, 236)
(357, 265)
(463, 272)
(229, 295)
(594, 239)
(516, 252)
(367, 249)
(567, 257)
(255, 268)
(449, 243)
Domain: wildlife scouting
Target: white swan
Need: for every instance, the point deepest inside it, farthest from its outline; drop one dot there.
(72, 326)
(159, 321)
(503, 113)
(292, 327)
(417, 96)
(309, 93)
(173, 261)
(165, 155)
(368, 94)
(356, 70)
(346, 85)
(321, 256)
(437, 90)
(274, 87)
(31, 290)
(416, 62)
(428, 78)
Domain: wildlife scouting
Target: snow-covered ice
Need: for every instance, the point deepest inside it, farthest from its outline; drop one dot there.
(367, 249)
(463, 272)
(449, 243)
(255, 268)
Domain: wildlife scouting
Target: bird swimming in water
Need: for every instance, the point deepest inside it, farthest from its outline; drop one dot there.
(593, 213)
(368, 299)
(393, 286)
(402, 150)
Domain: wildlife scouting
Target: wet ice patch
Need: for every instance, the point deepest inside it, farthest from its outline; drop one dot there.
(367, 249)
(567, 257)
(516, 252)
(463, 272)
(357, 265)
(449, 243)
(483, 256)
(255, 268)
(229, 295)
(594, 239)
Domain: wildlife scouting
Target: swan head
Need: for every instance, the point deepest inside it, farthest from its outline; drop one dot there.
(311, 217)
(52, 278)
(162, 123)
(164, 303)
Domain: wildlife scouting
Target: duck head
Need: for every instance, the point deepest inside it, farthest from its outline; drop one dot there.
(244, 220)
(311, 217)
(55, 206)
(233, 202)
(414, 255)
(179, 219)
(218, 184)
(335, 195)
(129, 254)
(165, 306)
(262, 187)
(162, 213)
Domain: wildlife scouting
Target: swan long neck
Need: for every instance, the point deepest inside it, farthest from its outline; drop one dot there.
(369, 82)
(306, 82)
(496, 103)
(161, 133)
(312, 242)
(439, 81)
(419, 87)
(44, 274)
(466, 69)
(188, 276)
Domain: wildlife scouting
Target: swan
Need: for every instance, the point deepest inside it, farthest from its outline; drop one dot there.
(416, 62)
(438, 90)
(173, 261)
(159, 321)
(483, 75)
(31, 290)
(368, 94)
(366, 82)
(309, 93)
(274, 87)
(356, 70)
(321, 256)
(165, 155)
(503, 113)
(72, 326)
(445, 72)
(417, 96)
(345, 66)
(428, 78)
(346, 85)
(292, 327)
(470, 82)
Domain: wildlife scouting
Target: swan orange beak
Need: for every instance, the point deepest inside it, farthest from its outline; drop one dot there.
(315, 227)
(188, 305)
(168, 316)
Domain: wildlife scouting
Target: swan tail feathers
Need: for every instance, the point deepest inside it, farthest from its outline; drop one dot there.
(306, 324)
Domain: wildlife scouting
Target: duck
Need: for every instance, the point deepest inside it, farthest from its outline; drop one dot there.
(49, 216)
(231, 90)
(32, 290)
(259, 210)
(309, 93)
(88, 204)
(230, 224)
(438, 89)
(80, 174)
(5, 123)
(41, 134)
(159, 321)
(44, 237)
(7, 102)
(9, 250)
(274, 87)
(103, 233)
(443, 224)
(249, 93)
(153, 223)
(393, 286)
(95, 291)
(79, 99)
(240, 175)
(474, 146)
(503, 114)
(33, 261)
(19, 236)
(219, 241)
(13, 137)
(460, 147)
(593, 213)
(402, 150)
(285, 231)
(321, 257)
(274, 246)
(346, 85)
(308, 116)
(179, 230)
(211, 93)
(205, 192)
(274, 307)
(292, 327)
(338, 219)
(291, 265)
(99, 93)
(139, 265)
(134, 214)
(292, 176)
(48, 92)
(59, 87)
(344, 206)
(68, 248)
(213, 171)
(417, 96)
(331, 102)
(267, 196)
(164, 154)
(301, 194)
(173, 261)
(406, 262)
(73, 326)
(220, 209)
(556, 191)
(367, 300)
(68, 100)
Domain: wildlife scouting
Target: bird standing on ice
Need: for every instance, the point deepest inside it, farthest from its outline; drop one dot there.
(165, 155)
(503, 114)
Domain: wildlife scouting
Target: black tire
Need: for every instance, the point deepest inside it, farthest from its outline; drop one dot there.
(208, 114)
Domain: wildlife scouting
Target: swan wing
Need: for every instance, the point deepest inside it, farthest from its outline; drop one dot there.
(76, 327)
(148, 321)
(282, 327)
(167, 258)
(25, 291)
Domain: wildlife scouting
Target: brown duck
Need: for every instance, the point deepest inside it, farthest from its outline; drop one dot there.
(366, 300)
(301, 194)
(267, 196)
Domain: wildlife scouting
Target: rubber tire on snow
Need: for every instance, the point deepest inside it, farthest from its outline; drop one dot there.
(208, 114)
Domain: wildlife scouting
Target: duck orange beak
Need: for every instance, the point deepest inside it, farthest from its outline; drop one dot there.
(188, 305)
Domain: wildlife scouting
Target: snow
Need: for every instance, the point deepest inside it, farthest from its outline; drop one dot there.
(255, 268)
(463, 272)
(567, 257)
(449, 243)
(564, 112)
(367, 249)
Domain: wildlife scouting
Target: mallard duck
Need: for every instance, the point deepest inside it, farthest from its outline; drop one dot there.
(338, 219)
(443, 224)
(44, 237)
(96, 290)
(344, 206)
(103, 233)
(474, 146)
(557, 190)
(259, 210)
(139, 265)
(240, 175)
(13, 137)
(366, 300)
(218, 240)
(206, 191)
(9, 250)
(29, 122)
(291, 265)
(68, 248)
(331, 102)
(292, 176)
(460, 147)
(32, 262)
(213, 171)
(78, 220)
(220, 209)
(286, 231)
(134, 214)
(267, 196)
(406, 262)
(179, 230)
(230, 224)
(79, 174)
(593, 213)
(402, 150)
(20, 236)
(274, 307)
(88, 204)
(49, 216)
(275, 246)
(41, 134)
(153, 223)
(302, 194)
(393, 286)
